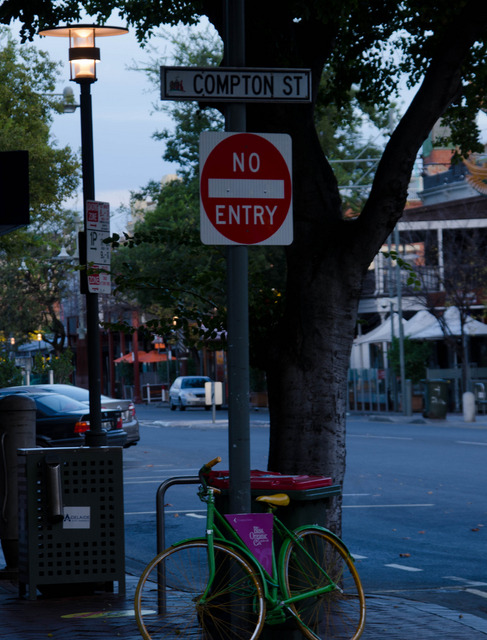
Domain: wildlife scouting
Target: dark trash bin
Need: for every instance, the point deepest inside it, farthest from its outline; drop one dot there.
(17, 430)
(436, 399)
(310, 495)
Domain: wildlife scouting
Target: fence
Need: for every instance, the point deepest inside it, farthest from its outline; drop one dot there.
(155, 393)
(372, 390)
(379, 390)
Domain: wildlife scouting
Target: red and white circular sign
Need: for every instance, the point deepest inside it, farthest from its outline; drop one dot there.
(245, 188)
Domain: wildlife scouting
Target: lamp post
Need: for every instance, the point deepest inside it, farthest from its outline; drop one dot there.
(83, 55)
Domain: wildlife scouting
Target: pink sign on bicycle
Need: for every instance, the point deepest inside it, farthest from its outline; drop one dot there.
(255, 530)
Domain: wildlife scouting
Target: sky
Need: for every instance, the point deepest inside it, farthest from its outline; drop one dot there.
(125, 155)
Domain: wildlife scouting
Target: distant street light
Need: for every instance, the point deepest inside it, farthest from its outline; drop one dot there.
(83, 55)
(69, 105)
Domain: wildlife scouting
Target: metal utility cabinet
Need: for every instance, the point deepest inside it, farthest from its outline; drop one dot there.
(71, 524)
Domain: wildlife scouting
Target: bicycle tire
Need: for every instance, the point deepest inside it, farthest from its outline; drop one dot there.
(234, 609)
(338, 614)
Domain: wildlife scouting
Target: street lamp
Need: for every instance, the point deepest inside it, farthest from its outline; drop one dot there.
(83, 55)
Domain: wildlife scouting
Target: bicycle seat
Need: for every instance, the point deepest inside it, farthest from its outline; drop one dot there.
(278, 499)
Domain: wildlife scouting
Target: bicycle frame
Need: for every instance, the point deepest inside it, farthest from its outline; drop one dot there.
(218, 529)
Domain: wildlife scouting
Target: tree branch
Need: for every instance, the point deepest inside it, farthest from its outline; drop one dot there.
(442, 84)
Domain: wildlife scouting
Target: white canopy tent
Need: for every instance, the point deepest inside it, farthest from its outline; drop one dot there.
(421, 321)
(434, 331)
(422, 326)
(383, 333)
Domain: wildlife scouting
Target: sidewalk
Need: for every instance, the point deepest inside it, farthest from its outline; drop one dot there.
(106, 615)
(109, 616)
(259, 417)
(451, 420)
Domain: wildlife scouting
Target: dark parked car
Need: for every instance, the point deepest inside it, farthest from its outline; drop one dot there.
(63, 422)
(130, 423)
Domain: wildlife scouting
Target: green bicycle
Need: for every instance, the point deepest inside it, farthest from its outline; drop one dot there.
(216, 588)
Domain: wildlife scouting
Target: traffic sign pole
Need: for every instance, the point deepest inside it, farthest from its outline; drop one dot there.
(237, 299)
(96, 436)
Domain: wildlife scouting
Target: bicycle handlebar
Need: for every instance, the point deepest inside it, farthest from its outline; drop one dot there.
(206, 468)
(209, 465)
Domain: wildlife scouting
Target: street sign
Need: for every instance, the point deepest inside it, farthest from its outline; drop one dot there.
(97, 252)
(235, 84)
(245, 188)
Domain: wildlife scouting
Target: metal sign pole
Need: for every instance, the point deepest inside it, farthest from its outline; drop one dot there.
(237, 298)
(96, 436)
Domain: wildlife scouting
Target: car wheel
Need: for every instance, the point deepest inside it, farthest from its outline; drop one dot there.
(181, 405)
(172, 406)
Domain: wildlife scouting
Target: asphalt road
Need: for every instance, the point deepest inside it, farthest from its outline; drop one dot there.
(415, 502)
(415, 510)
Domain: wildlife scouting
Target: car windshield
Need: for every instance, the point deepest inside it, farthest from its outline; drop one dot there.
(194, 383)
(60, 404)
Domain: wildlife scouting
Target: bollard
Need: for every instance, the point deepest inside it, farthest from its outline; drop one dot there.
(408, 398)
(468, 402)
(17, 431)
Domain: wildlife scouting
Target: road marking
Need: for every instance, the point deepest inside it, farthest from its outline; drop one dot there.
(476, 444)
(477, 592)
(384, 506)
(356, 435)
(143, 482)
(470, 583)
(166, 511)
(195, 515)
(129, 613)
(356, 556)
(402, 567)
(355, 494)
(160, 480)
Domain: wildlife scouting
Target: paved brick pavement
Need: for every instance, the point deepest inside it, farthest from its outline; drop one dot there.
(106, 615)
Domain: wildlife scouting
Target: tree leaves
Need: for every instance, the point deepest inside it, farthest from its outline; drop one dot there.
(31, 281)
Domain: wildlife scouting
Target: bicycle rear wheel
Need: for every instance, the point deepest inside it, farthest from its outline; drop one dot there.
(338, 614)
(168, 599)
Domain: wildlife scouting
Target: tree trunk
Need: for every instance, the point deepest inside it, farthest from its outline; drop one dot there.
(307, 374)
(306, 356)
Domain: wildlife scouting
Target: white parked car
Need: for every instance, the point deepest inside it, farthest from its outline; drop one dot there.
(188, 391)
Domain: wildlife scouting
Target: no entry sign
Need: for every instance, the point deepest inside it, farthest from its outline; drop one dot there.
(245, 188)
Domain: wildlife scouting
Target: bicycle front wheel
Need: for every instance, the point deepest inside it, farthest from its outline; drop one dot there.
(169, 599)
(313, 562)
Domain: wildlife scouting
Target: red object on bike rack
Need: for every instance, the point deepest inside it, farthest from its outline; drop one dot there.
(273, 481)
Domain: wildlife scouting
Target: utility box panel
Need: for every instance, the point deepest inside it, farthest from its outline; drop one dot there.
(71, 523)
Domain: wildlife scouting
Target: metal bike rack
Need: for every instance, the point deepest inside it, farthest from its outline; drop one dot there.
(161, 518)
(161, 532)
